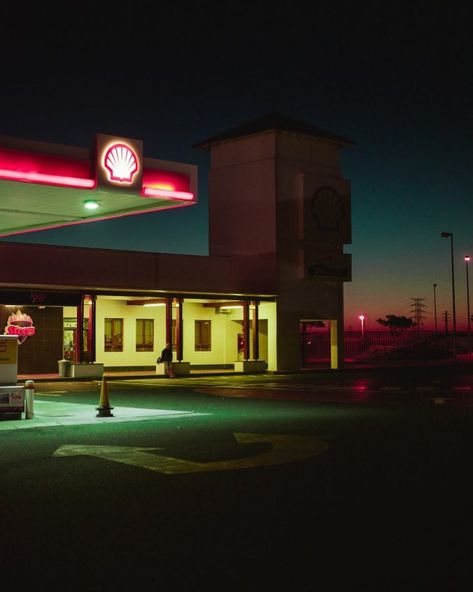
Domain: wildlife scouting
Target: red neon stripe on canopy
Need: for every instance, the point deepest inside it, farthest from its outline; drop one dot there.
(47, 169)
(162, 179)
(47, 179)
(166, 193)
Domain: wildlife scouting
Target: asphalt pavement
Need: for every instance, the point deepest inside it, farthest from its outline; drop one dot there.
(207, 485)
(362, 383)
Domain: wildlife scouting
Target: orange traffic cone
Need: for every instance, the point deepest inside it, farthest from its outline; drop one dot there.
(104, 409)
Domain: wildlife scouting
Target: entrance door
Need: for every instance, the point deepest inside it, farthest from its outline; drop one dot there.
(70, 338)
(315, 344)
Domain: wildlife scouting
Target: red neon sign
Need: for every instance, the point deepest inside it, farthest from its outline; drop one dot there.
(21, 325)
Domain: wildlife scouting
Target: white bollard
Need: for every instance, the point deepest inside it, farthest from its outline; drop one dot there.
(29, 399)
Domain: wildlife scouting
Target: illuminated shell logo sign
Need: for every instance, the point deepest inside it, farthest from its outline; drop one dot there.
(121, 163)
(328, 209)
(21, 325)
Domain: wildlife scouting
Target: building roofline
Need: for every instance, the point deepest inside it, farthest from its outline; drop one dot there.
(273, 122)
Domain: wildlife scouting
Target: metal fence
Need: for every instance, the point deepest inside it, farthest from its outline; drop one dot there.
(316, 345)
(356, 344)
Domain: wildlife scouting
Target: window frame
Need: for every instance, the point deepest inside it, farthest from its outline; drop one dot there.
(147, 335)
(116, 335)
(202, 338)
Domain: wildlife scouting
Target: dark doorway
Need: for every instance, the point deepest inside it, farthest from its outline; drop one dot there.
(39, 353)
(315, 344)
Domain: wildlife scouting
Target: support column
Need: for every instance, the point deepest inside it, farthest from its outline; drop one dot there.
(87, 327)
(246, 330)
(180, 368)
(250, 366)
(255, 330)
(179, 329)
(84, 364)
(79, 350)
(169, 320)
(91, 336)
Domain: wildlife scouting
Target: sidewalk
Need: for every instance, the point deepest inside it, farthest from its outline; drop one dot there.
(55, 413)
(117, 375)
(350, 364)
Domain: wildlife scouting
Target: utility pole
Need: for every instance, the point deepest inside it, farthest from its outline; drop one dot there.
(446, 315)
(454, 314)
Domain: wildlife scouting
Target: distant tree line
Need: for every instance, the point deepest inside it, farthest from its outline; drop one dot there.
(396, 324)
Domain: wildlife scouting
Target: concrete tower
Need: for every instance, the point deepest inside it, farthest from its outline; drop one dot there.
(276, 190)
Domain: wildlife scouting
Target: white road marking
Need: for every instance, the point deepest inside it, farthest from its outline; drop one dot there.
(284, 449)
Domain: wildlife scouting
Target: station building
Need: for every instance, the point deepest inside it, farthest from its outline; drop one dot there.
(279, 217)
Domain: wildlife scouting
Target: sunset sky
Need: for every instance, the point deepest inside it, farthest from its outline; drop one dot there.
(399, 84)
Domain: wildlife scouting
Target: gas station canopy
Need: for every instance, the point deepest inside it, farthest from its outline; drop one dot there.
(50, 185)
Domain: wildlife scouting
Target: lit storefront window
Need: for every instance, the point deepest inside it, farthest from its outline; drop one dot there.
(203, 335)
(144, 335)
(113, 335)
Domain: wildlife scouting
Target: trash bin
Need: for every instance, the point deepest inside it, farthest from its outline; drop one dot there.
(64, 367)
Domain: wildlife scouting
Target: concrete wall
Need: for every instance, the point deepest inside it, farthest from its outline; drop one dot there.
(242, 185)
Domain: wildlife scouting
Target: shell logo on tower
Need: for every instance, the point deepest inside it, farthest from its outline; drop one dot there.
(328, 209)
(121, 163)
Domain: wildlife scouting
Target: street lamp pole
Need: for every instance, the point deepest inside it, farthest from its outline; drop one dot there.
(467, 260)
(435, 308)
(362, 319)
(454, 316)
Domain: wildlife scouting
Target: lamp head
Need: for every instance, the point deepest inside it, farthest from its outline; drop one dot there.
(446, 234)
(467, 258)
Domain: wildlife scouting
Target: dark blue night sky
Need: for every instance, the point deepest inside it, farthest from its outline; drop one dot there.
(398, 83)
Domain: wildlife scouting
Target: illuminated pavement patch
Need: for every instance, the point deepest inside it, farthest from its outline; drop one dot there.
(48, 413)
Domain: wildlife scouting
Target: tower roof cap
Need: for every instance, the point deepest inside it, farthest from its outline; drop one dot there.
(272, 122)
